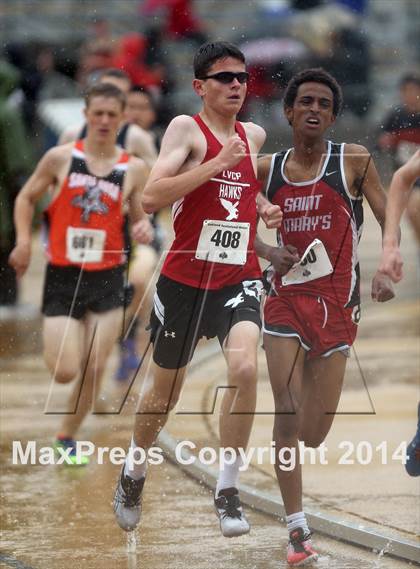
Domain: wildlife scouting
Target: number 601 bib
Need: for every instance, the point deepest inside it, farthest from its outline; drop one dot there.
(85, 245)
(223, 242)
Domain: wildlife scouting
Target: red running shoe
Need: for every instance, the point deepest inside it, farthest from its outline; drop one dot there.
(299, 549)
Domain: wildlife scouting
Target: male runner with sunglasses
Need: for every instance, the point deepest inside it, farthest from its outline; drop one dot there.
(210, 283)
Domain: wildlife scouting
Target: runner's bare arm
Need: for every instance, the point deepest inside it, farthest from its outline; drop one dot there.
(282, 258)
(271, 214)
(142, 230)
(256, 136)
(44, 175)
(264, 165)
(140, 143)
(362, 177)
(398, 194)
(165, 184)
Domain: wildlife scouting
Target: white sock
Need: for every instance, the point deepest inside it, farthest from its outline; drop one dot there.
(297, 520)
(228, 475)
(131, 469)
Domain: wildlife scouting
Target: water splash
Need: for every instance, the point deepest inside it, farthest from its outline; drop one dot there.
(381, 554)
(131, 543)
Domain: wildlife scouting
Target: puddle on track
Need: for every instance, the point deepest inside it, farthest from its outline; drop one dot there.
(57, 517)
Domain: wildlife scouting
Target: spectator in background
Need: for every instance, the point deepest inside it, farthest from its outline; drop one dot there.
(40, 80)
(131, 58)
(98, 51)
(15, 163)
(181, 22)
(331, 31)
(30, 80)
(401, 126)
(348, 60)
(143, 59)
(400, 135)
(141, 110)
(53, 85)
(100, 30)
(94, 58)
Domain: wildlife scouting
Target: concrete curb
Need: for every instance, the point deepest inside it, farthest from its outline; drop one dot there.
(341, 530)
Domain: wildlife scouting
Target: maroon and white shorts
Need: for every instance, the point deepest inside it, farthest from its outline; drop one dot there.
(321, 327)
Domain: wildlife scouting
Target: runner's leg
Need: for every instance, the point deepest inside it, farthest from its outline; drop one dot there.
(239, 401)
(236, 418)
(322, 385)
(62, 352)
(285, 359)
(159, 396)
(132, 343)
(101, 332)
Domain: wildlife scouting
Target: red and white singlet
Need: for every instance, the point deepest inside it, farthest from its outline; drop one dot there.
(320, 209)
(215, 225)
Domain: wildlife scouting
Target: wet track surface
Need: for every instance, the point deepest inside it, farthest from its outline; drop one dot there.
(58, 517)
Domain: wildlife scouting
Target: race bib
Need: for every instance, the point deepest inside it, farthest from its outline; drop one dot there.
(85, 245)
(223, 242)
(314, 264)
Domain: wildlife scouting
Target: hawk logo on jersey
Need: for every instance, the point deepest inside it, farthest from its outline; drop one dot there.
(231, 208)
(90, 202)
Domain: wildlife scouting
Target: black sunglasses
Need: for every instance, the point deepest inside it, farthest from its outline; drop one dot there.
(227, 77)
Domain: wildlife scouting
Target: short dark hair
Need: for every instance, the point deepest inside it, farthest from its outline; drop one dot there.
(315, 75)
(114, 72)
(410, 78)
(211, 52)
(142, 89)
(107, 90)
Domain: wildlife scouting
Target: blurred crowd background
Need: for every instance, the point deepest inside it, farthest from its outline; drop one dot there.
(52, 49)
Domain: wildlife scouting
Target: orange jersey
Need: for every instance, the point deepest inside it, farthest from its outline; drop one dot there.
(85, 219)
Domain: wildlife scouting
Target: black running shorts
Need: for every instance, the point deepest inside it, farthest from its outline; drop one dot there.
(68, 291)
(182, 314)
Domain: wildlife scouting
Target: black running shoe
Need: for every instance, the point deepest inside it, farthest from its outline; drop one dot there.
(127, 501)
(229, 509)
